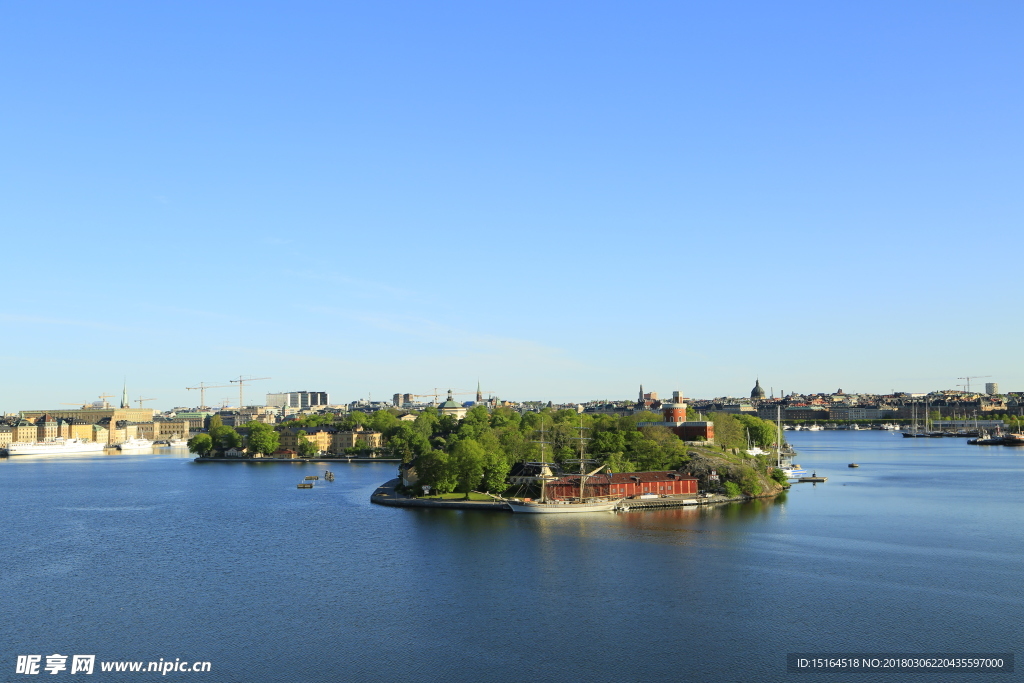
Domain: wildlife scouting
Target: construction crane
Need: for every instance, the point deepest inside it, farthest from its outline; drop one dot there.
(241, 383)
(442, 393)
(202, 391)
(102, 397)
(140, 400)
(970, 378)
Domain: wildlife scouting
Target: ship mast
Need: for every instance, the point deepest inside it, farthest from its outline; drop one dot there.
(543, 466)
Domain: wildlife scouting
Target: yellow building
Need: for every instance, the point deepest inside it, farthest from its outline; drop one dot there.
(89, 415)
(320, 437)
(360, 437)
(329, 440)
(170, 429)
(24, 432)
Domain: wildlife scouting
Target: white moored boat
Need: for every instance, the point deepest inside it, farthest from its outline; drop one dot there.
(55, 446)
(135, 444)
(792, 471)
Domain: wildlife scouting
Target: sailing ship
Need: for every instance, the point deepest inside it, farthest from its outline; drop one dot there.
(546, 505)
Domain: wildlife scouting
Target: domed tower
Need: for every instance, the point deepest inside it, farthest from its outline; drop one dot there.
(675, 411)
(757, 392)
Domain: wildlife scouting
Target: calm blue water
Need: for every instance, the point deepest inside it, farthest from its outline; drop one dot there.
(139, 557)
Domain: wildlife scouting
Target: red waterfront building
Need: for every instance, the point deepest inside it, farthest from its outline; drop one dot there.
(675, 419)
(623, 484)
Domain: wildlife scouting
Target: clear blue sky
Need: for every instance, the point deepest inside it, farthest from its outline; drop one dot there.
(561, 199)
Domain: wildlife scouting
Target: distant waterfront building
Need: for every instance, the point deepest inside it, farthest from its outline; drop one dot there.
(757, 393)
(105, 416)
(298, 399)
(991, 388)
(674, 414)
(400, 400)
(195, 419)
(450, 407)
(646, 400)
(622, 484)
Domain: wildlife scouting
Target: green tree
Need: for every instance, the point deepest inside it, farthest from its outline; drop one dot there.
(263, 440)
(503, 416)
(729, 431)
(732, 489)
(382, 421)
(307, 449)
(437, 471)
(762, 432)
(224, 438)
(201, 444)
(468, 460)
(426, 422)
(352, 420)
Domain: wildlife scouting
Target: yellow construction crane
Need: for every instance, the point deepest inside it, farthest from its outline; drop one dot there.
(140, 400)
(241, 383)
(202, 391)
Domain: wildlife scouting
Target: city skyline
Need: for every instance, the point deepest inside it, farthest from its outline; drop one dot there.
(561, 202)
(464, 396)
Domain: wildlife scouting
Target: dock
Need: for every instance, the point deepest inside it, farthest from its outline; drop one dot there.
(628, 504)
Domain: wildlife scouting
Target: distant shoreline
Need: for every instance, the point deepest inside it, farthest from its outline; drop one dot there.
(300, 460)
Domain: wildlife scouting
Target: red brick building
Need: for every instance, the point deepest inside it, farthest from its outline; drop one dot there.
(675, 419)
(623, 484)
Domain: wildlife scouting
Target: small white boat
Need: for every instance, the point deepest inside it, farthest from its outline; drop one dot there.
(793, 471)
(135, 445)
(752, 450)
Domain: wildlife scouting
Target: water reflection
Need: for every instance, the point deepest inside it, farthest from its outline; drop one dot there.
(923, 554)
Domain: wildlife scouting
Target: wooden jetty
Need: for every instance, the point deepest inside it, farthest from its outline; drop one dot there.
(657, 503)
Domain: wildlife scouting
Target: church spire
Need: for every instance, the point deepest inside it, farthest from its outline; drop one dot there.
(124, 396)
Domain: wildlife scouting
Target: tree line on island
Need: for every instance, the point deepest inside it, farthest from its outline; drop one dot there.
(478, 451)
